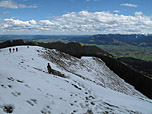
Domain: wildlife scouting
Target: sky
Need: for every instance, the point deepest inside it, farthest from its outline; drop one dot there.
(75, 17)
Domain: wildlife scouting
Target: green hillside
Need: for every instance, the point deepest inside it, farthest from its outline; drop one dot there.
(143, 53)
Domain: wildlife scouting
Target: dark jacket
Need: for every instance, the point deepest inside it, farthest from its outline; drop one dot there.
(49, 68)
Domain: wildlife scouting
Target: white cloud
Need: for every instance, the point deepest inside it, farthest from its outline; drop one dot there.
(138, 13)
(129, 5)
(83, 22)
(4, 13)
(18, 25)
(25, 6)
(116, 11)
(13, 5)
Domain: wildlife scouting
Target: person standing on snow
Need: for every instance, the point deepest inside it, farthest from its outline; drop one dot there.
(16, 49)
(10, 50)
(49, 68)
(13, 49)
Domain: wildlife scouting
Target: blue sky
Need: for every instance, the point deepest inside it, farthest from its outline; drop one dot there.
(75, 17)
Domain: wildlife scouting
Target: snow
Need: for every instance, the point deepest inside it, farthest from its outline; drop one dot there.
(90, 85)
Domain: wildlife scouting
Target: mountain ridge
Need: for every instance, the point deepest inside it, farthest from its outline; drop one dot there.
(99, 39)
(140, 81)
(28, 90)
(117, 39)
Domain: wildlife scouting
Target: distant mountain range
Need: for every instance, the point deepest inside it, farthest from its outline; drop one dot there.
(100, 39)
(117, 39)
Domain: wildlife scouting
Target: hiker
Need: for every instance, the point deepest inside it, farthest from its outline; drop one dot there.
(13, 49)
(16, 49)
(10, 50)
(49, 68)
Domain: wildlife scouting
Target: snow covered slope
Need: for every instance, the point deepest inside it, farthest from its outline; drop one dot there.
(90, 86)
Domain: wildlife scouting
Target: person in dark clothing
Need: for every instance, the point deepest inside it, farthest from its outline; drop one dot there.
(13, 49)
(16, 49)
(49, 68)
(10, 50)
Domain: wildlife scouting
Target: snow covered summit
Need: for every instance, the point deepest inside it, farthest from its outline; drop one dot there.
(88, 87)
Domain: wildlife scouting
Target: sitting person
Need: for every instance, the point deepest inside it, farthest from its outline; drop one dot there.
(49, 68)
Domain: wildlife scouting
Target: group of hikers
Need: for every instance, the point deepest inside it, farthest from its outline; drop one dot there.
(50, 70)
(10, 50)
